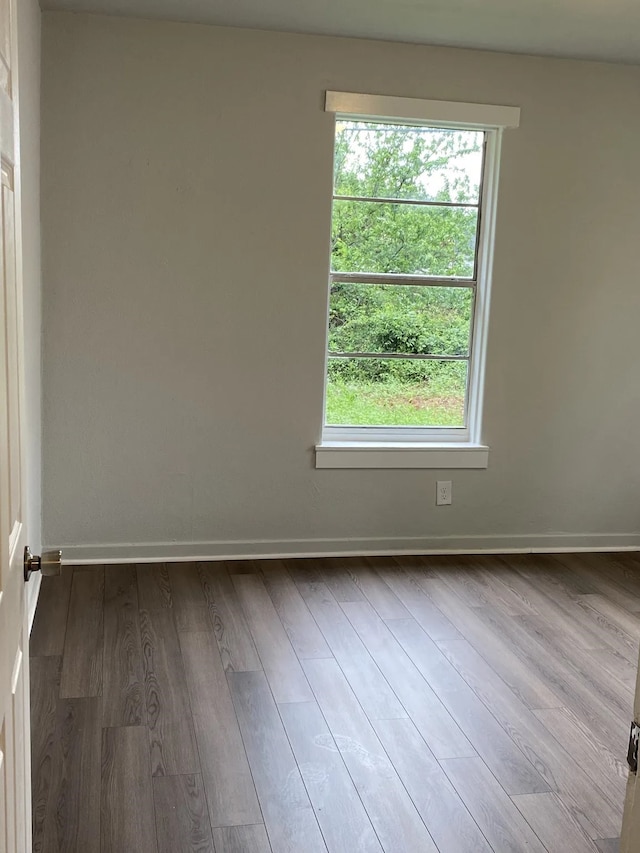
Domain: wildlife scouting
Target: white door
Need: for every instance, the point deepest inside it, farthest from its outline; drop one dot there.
(630, 838)
(15, 781)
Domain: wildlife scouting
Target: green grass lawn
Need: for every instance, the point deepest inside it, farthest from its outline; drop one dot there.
(392, 403)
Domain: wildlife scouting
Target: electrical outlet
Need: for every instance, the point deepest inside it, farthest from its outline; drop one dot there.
(443, 492)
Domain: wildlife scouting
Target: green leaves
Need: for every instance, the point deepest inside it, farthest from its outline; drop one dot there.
(398, 238)
(400, 319)
(394, 161)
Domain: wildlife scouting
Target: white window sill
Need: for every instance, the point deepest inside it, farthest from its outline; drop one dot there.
(367, 454)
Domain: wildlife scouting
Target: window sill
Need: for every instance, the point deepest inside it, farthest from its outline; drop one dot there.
(367, 454)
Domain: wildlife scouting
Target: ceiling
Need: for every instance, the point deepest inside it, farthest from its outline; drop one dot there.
(586, 29)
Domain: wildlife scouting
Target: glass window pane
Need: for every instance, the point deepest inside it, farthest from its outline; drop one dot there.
(397, 161)
(396, 392)
(400, 319)
(403, 238)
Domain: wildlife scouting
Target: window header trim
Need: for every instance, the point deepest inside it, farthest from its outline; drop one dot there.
(437, 113)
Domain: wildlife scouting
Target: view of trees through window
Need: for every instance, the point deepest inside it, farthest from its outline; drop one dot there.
(404, 236)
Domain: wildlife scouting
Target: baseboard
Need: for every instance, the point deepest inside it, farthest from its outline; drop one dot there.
(164, 552)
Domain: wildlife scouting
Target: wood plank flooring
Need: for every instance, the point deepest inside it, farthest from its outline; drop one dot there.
(357, 705)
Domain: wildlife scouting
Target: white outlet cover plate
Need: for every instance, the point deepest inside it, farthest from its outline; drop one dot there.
(443, 493)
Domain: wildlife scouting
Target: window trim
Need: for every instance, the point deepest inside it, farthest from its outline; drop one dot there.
(419, 110)
(344, 446)
(369, 454)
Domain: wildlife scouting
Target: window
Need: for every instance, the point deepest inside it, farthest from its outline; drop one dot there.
(412, 229)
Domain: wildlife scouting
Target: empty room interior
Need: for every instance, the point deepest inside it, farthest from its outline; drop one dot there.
(320, 482)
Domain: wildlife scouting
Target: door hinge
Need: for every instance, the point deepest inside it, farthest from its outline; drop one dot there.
(632, 754)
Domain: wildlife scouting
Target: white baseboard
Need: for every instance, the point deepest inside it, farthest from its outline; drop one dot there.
(164, 552)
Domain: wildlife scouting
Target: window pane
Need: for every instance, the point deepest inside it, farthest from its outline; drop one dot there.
(396, 392)
(400, 319)
(403, 238)
(396, 161)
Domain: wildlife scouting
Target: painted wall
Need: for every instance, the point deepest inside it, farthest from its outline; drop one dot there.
(29, 81)
(186, 215)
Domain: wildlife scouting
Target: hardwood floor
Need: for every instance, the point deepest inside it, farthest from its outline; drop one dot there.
(357, 705)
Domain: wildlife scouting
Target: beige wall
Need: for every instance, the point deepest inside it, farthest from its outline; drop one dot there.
(29, 81)
(186, 205)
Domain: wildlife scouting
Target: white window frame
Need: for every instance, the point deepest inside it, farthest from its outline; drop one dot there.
(429, 447)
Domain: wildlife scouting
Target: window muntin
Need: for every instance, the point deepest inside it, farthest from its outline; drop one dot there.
(405, 239)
